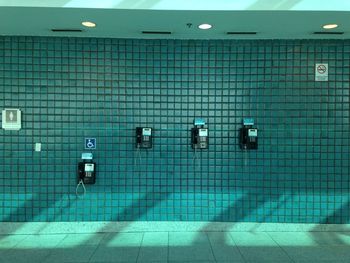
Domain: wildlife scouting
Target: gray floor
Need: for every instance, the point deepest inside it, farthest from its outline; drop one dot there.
(177, 247)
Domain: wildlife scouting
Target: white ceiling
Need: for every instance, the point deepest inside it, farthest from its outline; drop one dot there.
(233, 5)
(119, 23)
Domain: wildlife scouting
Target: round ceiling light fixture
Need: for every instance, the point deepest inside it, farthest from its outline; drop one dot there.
(88, 24)
(330, 26)
(205, 26)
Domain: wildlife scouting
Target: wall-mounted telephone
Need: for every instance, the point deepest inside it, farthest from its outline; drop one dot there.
(248, 136)
(87, 169)
(199, 135)
(143, 138)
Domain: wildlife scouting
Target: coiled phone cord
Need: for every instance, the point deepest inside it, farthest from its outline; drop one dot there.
(77, 188)
(194, 158)
(138, 156)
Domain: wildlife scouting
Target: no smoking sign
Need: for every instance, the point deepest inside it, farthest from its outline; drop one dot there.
(321, 72)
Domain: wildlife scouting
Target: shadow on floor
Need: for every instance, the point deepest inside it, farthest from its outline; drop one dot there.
(131, 247)
(342, 214)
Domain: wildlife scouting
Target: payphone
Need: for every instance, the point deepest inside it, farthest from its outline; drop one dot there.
(199, 135)
(143, 138)
(86, 171)
(248, 135)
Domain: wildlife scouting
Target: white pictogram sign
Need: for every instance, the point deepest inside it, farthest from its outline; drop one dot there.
(90, 143)
(11, 119)
(321, 72)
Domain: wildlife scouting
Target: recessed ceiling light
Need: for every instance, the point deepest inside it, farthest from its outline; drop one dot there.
(88, 24)
(205, 26)
(330, 26)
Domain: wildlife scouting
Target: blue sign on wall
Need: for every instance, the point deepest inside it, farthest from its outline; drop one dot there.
(90, 143)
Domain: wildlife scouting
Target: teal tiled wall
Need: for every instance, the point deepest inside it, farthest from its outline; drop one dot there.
(72, 88)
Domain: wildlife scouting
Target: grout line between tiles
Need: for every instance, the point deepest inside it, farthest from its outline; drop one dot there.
(141, 243)
(281, 247)
(168, 248)
(211, 247)
(239, 250)
(99, 244)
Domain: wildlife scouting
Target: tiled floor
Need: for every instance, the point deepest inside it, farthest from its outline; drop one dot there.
(179, 247)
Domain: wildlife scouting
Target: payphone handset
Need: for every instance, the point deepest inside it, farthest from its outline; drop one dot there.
(143, 137)
(199, 135)
(248, 135)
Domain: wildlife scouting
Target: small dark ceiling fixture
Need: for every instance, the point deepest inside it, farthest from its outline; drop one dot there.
(328, 33)
(241, 33)
(157, 32)
(66, 30)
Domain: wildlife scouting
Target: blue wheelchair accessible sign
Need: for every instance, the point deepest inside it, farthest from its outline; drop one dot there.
(90, 143)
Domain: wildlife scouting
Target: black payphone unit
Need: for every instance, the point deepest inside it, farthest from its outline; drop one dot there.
(87, 169)
(143, 138)
(86, 172)
(248, 135)
(199, 135)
